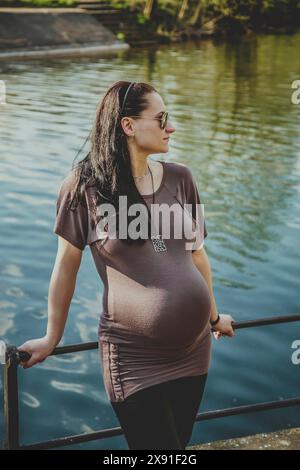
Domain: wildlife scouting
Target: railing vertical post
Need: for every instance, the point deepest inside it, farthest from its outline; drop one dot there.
(11, 399)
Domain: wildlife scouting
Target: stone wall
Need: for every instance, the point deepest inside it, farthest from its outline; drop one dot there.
(30, 29)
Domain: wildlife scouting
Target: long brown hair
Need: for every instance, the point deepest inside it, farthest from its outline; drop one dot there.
(107, 165)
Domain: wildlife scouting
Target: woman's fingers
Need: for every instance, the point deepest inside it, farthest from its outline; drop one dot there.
(226, 327)
(217, 334)
(230, 331)
(31, 361)
(38, 349)
(23, 348)
(26, 364)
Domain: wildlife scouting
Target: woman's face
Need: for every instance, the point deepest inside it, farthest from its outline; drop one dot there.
(149, 137)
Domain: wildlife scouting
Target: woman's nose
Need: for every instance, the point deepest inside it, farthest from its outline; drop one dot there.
(170, 129)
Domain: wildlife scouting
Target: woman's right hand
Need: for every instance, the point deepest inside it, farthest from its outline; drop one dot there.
(39, 349)
(224, 326)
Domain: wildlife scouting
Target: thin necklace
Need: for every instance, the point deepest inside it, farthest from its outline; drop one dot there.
(157, 240)
(143, 176)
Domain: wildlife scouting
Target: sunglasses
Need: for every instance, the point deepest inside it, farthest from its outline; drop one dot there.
(163, 119)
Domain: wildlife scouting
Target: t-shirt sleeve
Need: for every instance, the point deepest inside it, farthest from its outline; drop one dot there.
(193, 198)
(71, 222)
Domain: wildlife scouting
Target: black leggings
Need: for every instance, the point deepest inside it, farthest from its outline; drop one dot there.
(161, 416)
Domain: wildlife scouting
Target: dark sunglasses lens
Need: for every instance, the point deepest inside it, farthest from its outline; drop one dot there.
(164, 120)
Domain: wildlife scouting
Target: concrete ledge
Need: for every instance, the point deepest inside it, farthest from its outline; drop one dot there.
(286, 439)
(46, 32)
(66, 51)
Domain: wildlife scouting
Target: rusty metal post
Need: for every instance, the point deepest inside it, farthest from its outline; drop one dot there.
(10, 357)
(11, 399)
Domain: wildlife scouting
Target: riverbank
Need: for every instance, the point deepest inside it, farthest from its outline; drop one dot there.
(173, 21)
(286, 439)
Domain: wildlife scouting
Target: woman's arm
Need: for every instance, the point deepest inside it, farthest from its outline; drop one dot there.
(61, 290)
(202, 263)
(224, 325)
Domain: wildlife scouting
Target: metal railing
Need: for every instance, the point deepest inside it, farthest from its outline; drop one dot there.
(10, 356)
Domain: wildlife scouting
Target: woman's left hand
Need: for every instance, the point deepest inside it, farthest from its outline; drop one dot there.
(224, 326)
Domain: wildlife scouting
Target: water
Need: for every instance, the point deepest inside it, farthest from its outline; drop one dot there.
(239, 132)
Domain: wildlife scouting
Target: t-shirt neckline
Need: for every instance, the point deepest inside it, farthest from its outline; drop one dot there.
(161, 183)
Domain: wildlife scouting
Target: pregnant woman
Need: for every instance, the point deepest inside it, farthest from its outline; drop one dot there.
(158, 306)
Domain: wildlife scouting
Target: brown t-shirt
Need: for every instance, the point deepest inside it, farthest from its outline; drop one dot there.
(154, 325)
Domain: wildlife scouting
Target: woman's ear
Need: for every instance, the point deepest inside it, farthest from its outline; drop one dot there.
(127, 126)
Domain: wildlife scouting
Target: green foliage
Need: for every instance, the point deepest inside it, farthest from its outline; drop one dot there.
(246, 8)
(120, 5)
(256, 14)
(120, 36)
(127, 4)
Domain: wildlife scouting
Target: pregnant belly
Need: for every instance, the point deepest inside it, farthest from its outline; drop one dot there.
(171, 312)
